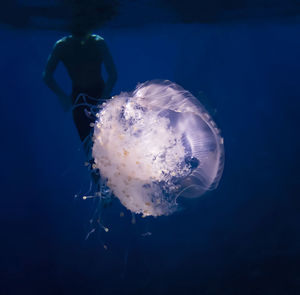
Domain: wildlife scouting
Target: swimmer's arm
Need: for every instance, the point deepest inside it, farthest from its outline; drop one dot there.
(48, 77)
(110, 69)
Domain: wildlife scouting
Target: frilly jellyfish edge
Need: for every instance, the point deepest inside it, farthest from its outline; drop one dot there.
(155, 144)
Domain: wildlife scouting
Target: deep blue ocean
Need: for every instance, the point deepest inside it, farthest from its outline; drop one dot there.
(241, 239)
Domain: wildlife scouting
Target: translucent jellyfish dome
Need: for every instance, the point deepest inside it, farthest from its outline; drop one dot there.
(155, 144)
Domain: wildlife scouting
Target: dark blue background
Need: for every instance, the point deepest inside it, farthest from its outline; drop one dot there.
(242, 238)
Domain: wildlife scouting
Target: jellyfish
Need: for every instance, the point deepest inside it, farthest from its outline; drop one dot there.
(156, 144)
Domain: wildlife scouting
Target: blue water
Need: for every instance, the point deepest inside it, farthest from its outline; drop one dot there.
(242, 238)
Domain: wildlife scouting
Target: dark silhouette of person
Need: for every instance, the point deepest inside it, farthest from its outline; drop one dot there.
(83, 54)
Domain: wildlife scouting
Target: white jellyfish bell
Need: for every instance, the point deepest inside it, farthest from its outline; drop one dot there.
(155, 144)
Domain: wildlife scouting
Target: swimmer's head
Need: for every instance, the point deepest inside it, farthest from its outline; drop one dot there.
(89, 15)
(80, 27)
(83, 22)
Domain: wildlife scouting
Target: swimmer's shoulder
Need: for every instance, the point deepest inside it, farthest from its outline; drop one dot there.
(97, 38)
(101, 44)
(63, 46)
(62, 43)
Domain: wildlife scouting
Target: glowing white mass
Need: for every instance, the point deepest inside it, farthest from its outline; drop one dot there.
(155, 144)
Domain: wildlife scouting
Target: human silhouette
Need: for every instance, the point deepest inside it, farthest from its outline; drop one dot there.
(83, 54)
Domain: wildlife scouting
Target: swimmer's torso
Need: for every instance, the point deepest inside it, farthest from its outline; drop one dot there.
(82, 58)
